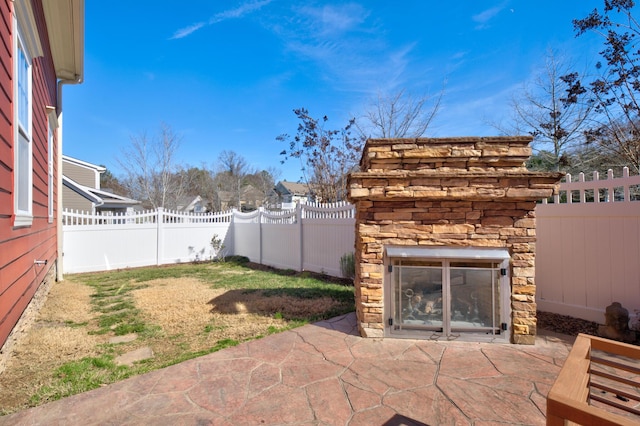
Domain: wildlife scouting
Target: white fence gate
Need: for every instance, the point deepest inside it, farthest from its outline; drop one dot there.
(588, 248)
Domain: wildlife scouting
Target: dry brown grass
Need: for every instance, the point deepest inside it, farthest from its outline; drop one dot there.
(53, 340)
(187, 314)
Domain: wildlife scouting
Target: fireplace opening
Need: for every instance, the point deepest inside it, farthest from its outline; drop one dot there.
(447, 293)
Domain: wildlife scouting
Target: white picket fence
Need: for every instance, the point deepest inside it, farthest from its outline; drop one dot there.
(587, 253)
(311, 237)
(588, 248)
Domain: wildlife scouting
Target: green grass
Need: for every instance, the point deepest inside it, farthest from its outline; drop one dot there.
(80, 376)
(116, 314)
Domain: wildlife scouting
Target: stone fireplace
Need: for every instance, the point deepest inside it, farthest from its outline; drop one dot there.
(445, 238)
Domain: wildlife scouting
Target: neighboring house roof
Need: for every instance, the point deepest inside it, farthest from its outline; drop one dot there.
(99, 169)
(225, 196)
(87, 184)
(188, 203)
(251, 193)
(248, 194)
(81, 172)
(292, 188)
(101, 198)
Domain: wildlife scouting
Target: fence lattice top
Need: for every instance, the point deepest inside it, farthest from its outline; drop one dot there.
(80, 218)
(340, 210)
(596, 190)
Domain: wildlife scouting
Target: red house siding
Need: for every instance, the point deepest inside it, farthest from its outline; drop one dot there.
(6, 135)
(20, 277)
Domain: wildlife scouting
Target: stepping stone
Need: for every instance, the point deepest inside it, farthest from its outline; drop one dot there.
(138, 355)
(124, 339)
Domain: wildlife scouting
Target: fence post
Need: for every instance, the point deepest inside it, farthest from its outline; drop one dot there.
(301, 239)
(583, 197)
(160, 235)
(610, 195)
(232, 229)
(626, 188)
(260, 212)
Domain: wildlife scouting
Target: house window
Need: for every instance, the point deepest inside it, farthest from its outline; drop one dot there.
(23, 166)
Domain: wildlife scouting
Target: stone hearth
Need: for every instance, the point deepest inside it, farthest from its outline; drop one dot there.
(471, 193)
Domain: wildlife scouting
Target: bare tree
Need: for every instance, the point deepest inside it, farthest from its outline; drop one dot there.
(110, 183)
(618, 138)
(617, 88)
(554, 108)
(326, 156)
(232, 174)
(399, 115)
(265, 182)
(151, 172)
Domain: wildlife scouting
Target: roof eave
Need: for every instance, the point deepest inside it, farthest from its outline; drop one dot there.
(65, 27)
(81, 190)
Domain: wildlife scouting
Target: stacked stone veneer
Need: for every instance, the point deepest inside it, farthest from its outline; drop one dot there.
(455, 192)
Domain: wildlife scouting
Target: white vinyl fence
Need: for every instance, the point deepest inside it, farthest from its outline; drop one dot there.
(587, 253)
(311, 237)
(95, 242)
(588, 248)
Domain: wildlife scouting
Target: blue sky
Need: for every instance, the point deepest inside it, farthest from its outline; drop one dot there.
(226, 75)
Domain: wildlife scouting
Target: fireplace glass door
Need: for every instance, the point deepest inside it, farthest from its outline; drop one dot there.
(448, 297)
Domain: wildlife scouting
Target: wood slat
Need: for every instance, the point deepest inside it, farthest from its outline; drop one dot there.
(615, 364)
(615, 404)
(613, 391)
(615, 378)
(615, 347)
(563, 408)
(567, 399)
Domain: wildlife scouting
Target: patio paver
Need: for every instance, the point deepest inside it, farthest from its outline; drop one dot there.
(325, 374)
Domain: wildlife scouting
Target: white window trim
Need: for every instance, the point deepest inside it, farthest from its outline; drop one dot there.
(22, 217)
(29, 29)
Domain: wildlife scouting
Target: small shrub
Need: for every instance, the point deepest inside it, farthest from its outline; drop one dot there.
(218, 248)
(348, 265)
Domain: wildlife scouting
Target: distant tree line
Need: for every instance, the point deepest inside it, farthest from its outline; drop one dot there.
(153, 176)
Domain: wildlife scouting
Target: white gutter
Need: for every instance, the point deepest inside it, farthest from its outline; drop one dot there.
(59, 269)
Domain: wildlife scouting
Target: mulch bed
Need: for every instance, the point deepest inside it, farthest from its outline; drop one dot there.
(565, 324)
